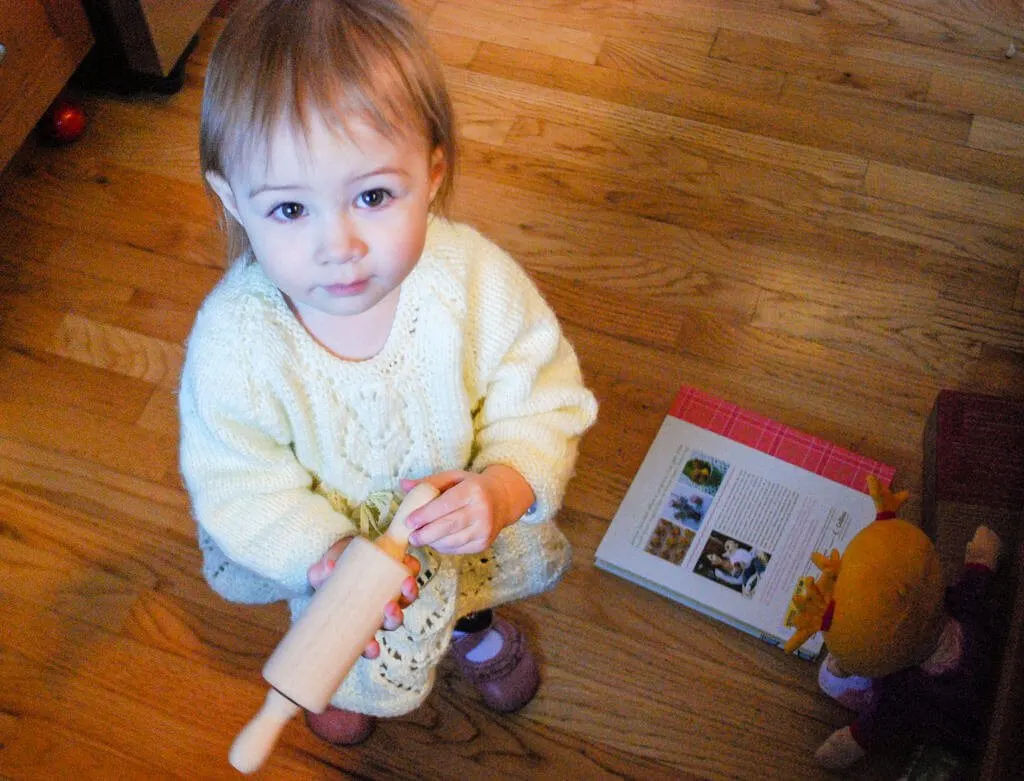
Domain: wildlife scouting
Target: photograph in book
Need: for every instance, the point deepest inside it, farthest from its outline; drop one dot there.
(727, 508)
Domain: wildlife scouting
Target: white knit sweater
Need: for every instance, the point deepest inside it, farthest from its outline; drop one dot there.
(281, 441)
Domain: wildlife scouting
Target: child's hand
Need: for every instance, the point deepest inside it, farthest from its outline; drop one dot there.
(471, 510)
(392, 619)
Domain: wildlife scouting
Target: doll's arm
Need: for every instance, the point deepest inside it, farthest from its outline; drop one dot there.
(839, 751)
(968, 600)
(984, 548)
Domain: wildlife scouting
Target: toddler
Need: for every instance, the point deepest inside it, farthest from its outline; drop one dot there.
(360, 342)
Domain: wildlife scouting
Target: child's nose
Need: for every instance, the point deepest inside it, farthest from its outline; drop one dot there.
(343, 240)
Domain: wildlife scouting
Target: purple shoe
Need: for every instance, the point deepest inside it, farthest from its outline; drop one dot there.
(340, 727)
(509, 680)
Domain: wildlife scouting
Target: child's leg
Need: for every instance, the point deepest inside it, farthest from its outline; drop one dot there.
(488, 642)
(493, 656)
(340, 727)
(852, 691)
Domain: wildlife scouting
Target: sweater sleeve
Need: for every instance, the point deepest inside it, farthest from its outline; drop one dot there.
(249, 492)
(533, 406)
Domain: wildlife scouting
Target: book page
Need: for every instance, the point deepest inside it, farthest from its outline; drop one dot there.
(727, 528)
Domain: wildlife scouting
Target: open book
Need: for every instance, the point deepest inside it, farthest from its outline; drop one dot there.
(727, 508)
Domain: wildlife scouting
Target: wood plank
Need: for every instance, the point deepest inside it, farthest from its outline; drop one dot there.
(32, 377)
(452, 49)
(898, 339)
(992, 67)
(563, 42)
(120, 350)
(518, 75)
(795, 207)
(733, 262)
(678, 65)
(636, 21)
(127, 268)
(888, 32)
(180, 226)
(27, 325)
(149, 565)
(632, 133)
(770, 388)
(134, 715)
(85, 435)
(160, 415)
(995, 135)
(61, 288)
(1000, 101)
(545, 245)
(122, 134)
(945, 196)
(43, 749)
(820, 63)
(912, 117)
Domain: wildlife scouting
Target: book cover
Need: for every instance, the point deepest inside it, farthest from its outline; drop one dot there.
(728, 506)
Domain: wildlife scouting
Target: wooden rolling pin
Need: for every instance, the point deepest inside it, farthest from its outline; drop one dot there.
(316, 654)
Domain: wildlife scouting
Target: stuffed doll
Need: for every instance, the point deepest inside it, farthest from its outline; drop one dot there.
(912, 658)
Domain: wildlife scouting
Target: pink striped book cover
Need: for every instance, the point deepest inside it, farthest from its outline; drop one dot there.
(776, 439)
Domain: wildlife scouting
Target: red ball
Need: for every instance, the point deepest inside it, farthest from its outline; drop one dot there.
(65, 121)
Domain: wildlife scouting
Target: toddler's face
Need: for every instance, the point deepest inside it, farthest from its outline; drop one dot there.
(339, 222)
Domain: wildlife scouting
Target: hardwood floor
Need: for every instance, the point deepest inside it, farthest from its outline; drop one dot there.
(813, 209)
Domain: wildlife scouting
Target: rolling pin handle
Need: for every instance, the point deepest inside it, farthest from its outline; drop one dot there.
(396, 539)
(255, 742)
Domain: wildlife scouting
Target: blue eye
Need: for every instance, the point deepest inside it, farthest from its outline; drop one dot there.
(289, 211)
(374, 199)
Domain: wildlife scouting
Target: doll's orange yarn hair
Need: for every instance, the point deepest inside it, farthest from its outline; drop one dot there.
(888, 602)
(879, 606)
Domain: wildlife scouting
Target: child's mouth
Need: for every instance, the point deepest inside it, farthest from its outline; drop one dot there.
(351, 289)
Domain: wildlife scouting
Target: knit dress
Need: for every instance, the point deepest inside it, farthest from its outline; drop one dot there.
(284, 445)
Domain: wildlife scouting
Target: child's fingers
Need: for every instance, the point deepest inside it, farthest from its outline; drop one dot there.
(392, 616)
(318, 573)
(372, 650)
(412, 564)
(448, 501)
(410, 590)
(462, 539)
(433, 531)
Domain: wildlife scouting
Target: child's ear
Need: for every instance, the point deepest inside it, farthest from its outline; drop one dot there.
(227, 196)
(438, 165)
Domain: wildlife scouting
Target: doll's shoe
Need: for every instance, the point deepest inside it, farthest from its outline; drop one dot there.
(851, 691)
(341, 727)
(508, 680)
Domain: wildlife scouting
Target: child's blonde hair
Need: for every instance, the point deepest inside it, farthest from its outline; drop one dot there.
(290, 60)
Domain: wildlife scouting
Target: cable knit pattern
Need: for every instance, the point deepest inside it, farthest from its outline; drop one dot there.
(282, 442)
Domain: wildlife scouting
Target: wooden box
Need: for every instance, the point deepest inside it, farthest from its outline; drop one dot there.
(149, 35)
(42, 41)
